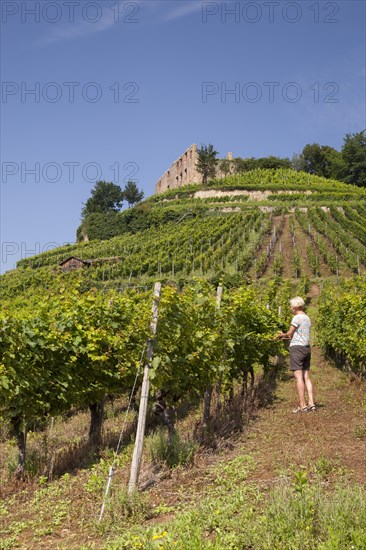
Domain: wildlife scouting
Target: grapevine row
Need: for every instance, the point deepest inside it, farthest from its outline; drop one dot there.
(348, 224)
(319, 243)
(342, 326)
(78, 347)
(337, 237)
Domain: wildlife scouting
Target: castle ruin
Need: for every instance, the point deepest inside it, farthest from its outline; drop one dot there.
(184, 171)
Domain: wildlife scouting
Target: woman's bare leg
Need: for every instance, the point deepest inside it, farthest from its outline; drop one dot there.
(309, 388)
(300, 387)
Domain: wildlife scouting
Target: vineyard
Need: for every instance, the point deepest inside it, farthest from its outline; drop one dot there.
(247, 245)
(71, 342)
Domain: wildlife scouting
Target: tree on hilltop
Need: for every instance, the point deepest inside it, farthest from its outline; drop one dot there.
(354, 156)
(272, 162)
(132, 194)
(321, 160)
(207, 161)
(106, 197)
(242, 165)
(225, 166)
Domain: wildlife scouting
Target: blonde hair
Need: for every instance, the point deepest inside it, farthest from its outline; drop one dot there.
(297, 302)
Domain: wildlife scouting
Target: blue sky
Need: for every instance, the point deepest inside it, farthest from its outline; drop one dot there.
(122, 88)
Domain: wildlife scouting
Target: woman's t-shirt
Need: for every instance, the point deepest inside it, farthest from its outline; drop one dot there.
(301, 336)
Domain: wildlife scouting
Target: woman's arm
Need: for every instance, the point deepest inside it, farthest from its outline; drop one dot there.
(288, 334)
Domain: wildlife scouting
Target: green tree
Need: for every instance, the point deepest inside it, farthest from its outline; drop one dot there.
(272, 162)
(207, 161)
(132, 194)
(225, 166)
(321, 160)
(106, 197)
(242, 165)
(245, 164)
(354, 156)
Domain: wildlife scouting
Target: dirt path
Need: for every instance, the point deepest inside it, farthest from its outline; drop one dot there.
(280, 439)
(332, 438)
(302, 243)
(283, 247)
(334, 435)
(276, 224)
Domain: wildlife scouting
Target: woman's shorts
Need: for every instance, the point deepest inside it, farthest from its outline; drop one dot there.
(300, 357)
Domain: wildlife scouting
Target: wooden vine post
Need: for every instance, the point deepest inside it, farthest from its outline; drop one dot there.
(140, 432)
(208, 392)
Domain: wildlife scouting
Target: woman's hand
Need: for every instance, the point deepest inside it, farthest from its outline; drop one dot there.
(286, 335)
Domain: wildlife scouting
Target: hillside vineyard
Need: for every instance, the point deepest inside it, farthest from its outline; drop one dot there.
(75, 321)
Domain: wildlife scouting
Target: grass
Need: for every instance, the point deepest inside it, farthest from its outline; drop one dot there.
(295, 514)
(61, 446)
(360, 431)
(172, 451)
(270, 487)
(300, 511)
(46, 506)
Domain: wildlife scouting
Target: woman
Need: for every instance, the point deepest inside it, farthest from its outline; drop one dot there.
(300, 353)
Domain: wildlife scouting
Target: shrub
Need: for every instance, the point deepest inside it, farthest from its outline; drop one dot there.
(172, 451)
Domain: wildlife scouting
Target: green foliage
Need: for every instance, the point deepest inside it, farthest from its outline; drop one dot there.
(306, 198)
(133, 220)
(173, 451)
(101, 226)
(233, 514)
(342, 326)
(324, 467)
(283, 179)
(197, 345)
(287, 186)
(346, 223)
(350, 249)
(106, 197)
(69, 351)
(322, 160)
(77, 347)
(207, 161)
(123, 506)
(348, 165)
(278, 264)
(318, 243)
(360, 431)
(296, 263)
(300, 482)
(266, 163)
(225, 166)
(280, 179)
(354, 155)
(194, 245)
(132, 194)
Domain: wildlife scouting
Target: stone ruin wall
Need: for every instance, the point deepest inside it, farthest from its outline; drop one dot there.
(183, 171)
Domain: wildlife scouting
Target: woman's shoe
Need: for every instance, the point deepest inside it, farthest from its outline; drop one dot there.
(312, 408)
(300, 410)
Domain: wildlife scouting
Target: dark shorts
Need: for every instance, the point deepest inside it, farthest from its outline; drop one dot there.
(300, 357)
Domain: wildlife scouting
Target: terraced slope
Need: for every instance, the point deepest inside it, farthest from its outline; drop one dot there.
(254, 225)
(270, 235)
